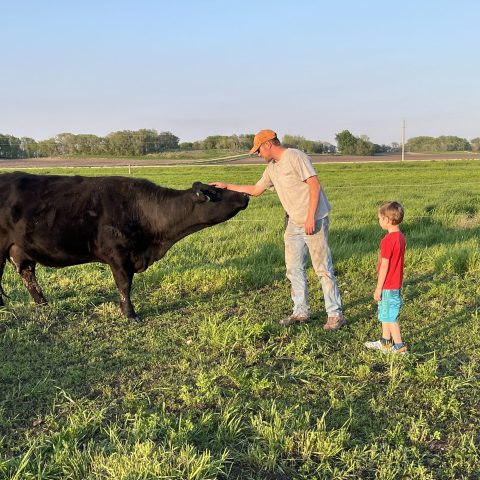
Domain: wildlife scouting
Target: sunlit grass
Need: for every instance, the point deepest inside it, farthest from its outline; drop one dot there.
(210, 386)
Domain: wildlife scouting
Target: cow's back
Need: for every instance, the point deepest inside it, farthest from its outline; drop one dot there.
(56, 219)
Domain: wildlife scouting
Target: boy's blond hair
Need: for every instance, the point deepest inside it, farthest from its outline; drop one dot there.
(392, 210)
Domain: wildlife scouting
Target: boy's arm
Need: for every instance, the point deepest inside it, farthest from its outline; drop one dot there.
(382, 275)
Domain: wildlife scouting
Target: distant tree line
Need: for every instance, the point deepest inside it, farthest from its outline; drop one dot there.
(137, 143)
(140, 142)
(236, 143)
(309, 146)
(348, 144)
(442, 144)
(148, 141)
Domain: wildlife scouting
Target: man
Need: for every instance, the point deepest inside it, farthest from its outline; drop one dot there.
(291, 174)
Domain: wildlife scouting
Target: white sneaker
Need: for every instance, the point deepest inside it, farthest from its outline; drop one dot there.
(378, 345)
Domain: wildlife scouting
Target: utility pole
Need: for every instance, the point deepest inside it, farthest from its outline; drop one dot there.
(403, 140)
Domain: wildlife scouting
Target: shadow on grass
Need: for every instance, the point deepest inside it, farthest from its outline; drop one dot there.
(44, 349)
(425, 232)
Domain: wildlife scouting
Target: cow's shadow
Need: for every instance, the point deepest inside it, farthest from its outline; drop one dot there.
(40, 355)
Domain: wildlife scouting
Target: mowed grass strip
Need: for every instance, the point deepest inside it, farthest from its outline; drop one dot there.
(210, 386)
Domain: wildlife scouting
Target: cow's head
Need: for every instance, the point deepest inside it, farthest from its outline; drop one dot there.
(214, 205)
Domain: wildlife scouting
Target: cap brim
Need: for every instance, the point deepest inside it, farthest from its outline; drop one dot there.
(254, 149)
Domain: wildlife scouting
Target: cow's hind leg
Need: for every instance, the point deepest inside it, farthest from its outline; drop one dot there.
(26, 269)
(123, 278)
(30, 281)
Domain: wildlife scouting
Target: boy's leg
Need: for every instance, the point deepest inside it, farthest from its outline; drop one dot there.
(395, 331)
(384, 344)
(386, 331)
(388, 312)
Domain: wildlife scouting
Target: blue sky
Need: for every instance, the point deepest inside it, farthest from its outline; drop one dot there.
(199, 68)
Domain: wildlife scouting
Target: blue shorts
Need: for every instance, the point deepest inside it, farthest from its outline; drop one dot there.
(389, 306)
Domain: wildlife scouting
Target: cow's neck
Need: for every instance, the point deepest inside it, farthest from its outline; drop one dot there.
(171, 216)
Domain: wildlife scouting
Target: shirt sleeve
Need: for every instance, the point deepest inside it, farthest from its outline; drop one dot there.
(386, 248)
(266, 181)
(304, 166)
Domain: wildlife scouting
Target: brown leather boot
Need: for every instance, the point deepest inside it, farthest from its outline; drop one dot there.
(334, 323)
(290, 320)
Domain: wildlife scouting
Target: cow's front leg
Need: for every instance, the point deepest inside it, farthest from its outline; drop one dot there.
(123, 278)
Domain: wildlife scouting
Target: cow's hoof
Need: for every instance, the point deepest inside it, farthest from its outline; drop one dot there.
(136, 319)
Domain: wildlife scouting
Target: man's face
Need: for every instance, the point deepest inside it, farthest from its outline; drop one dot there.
(264, 151)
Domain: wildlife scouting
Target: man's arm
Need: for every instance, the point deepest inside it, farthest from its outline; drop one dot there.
(313, 197)
(253, 190)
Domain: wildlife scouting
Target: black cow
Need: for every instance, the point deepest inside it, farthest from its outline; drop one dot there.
(127, 223)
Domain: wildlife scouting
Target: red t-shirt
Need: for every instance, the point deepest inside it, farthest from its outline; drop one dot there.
(392, 247)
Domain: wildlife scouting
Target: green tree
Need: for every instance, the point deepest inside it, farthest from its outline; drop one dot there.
(167, 141)
(120, 143)
(88, 144)
(475, 142)
(297, 141)
(47, 148)
(66, 144)
(245, 141)
(346, 142)
(349, 144)
(452, 143)
(440, 144)
(29, 147)
(5, 151)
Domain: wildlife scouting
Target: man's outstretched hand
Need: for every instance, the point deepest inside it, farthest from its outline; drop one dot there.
(218, 184)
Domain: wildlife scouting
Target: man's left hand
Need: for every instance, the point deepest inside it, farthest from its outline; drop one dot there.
(309, 226)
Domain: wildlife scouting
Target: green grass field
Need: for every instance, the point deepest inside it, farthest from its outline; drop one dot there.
(210, 386)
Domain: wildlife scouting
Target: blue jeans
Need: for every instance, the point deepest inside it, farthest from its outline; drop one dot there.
(297, 243)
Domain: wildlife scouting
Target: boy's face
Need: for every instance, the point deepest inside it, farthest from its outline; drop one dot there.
(383, 221)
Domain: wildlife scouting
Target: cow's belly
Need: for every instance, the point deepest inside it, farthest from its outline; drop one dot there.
(59, 253)
(58, 257)
(61, 260)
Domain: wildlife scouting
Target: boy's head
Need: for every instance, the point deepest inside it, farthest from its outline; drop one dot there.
(391, 210)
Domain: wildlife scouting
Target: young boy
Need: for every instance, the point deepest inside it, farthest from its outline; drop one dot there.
(390, 278)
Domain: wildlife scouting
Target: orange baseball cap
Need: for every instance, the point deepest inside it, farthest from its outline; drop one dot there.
(261, 137)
